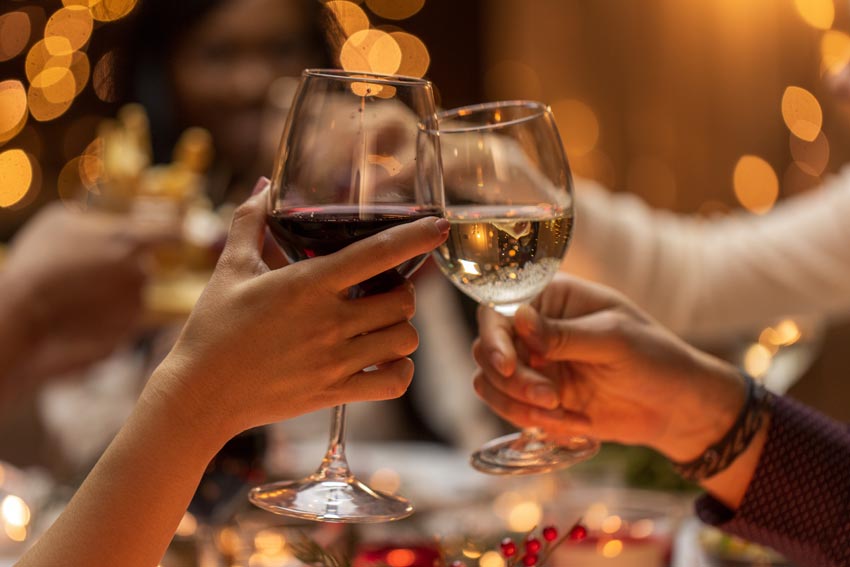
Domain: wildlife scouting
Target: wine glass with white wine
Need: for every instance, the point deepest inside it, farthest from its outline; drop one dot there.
(509, 199)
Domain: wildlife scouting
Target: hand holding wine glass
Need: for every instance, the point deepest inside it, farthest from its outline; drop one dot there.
(337, 181)
(509, 201)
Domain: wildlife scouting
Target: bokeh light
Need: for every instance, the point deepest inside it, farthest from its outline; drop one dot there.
(654, 180)
(835, 50)
(524, 516)
(15, 30)
(578, 125)
(350, 17)
(73, 23)
(819, 14)
(372, 51)
(811, 157)
(395, 9)
(757, 360)
(612, 549)
(188, 525)
(756, 184)
(491, 559)
(103, 78)
(802, 113)
(51, 93)
(401, 558)
(110, 10)
(415, 58)
(47, 54)
(513, 80)
(15, 177)
(13, 109)
(594, 165)
(80, 69)
(385, 480)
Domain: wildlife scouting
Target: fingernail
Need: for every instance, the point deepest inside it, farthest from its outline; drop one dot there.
(261, 184)
(442, 225)
(544, 396)
(498, 361)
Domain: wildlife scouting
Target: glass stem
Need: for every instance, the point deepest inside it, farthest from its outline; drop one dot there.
(334, 465)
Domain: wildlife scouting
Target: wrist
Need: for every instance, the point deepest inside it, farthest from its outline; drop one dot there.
(708, 408)
(171, 392)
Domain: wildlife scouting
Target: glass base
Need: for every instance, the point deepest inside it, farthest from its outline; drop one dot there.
(344, 500)
(523, 453)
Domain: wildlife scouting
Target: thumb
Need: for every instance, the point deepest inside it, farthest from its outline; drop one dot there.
(247, 229)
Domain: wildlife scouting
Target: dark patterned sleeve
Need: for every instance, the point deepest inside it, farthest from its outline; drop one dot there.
(798, 501)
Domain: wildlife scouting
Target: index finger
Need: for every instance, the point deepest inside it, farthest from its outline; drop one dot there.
(496, 346)
(371, 256)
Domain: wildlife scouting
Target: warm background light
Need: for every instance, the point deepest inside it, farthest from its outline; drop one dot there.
(15, 29)
(371, 50)
(15, 176)
(13, 109)
(395, 9)
(835, 50)
(415, 58)
(73, 23)
(756, 184)
(578, 125)
(802, 113)
(819, 14)
(349, 16)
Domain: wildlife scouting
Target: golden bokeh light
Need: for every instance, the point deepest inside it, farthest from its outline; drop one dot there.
(612, 524)
(46, 54)
(834, 50)
(491, 559)
(811, 157)
(513, 80)
(819, 14)
(757, 360)
(654, 180)
(349, 16)
(612, 549)
(57, 84)
(80, 69)
(188, 525)
(103, 78)
(13, 109)
(524, 516)
(15, 511)
(802, 113)
(578, 125)
(15, 533)
(15, 177)
(756, 184)
(74, 23)
(415, 58)
(15, 29)
(269, 542)
(371, 51)
(395, 9)
(110, 10)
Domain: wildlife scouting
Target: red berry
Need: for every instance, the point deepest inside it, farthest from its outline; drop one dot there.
(508, 547)
(578, 533)
(530, 560)
(532, 545)
(550, 533)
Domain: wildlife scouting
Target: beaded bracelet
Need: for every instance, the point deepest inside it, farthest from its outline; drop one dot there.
(721, 455)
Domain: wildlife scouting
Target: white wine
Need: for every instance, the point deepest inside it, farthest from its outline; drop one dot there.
(504, 256)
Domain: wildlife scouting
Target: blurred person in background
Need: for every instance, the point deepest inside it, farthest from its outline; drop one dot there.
(776, 471)
(730, 274)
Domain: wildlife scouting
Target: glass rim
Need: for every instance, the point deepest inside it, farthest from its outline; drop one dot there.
(366, 76)
(541, 109)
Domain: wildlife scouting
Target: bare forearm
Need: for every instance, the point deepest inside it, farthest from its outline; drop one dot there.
(128, 508)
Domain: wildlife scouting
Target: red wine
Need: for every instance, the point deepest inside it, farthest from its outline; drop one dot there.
(306, 232)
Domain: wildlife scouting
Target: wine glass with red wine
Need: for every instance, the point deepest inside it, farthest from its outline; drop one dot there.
(351, 164)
